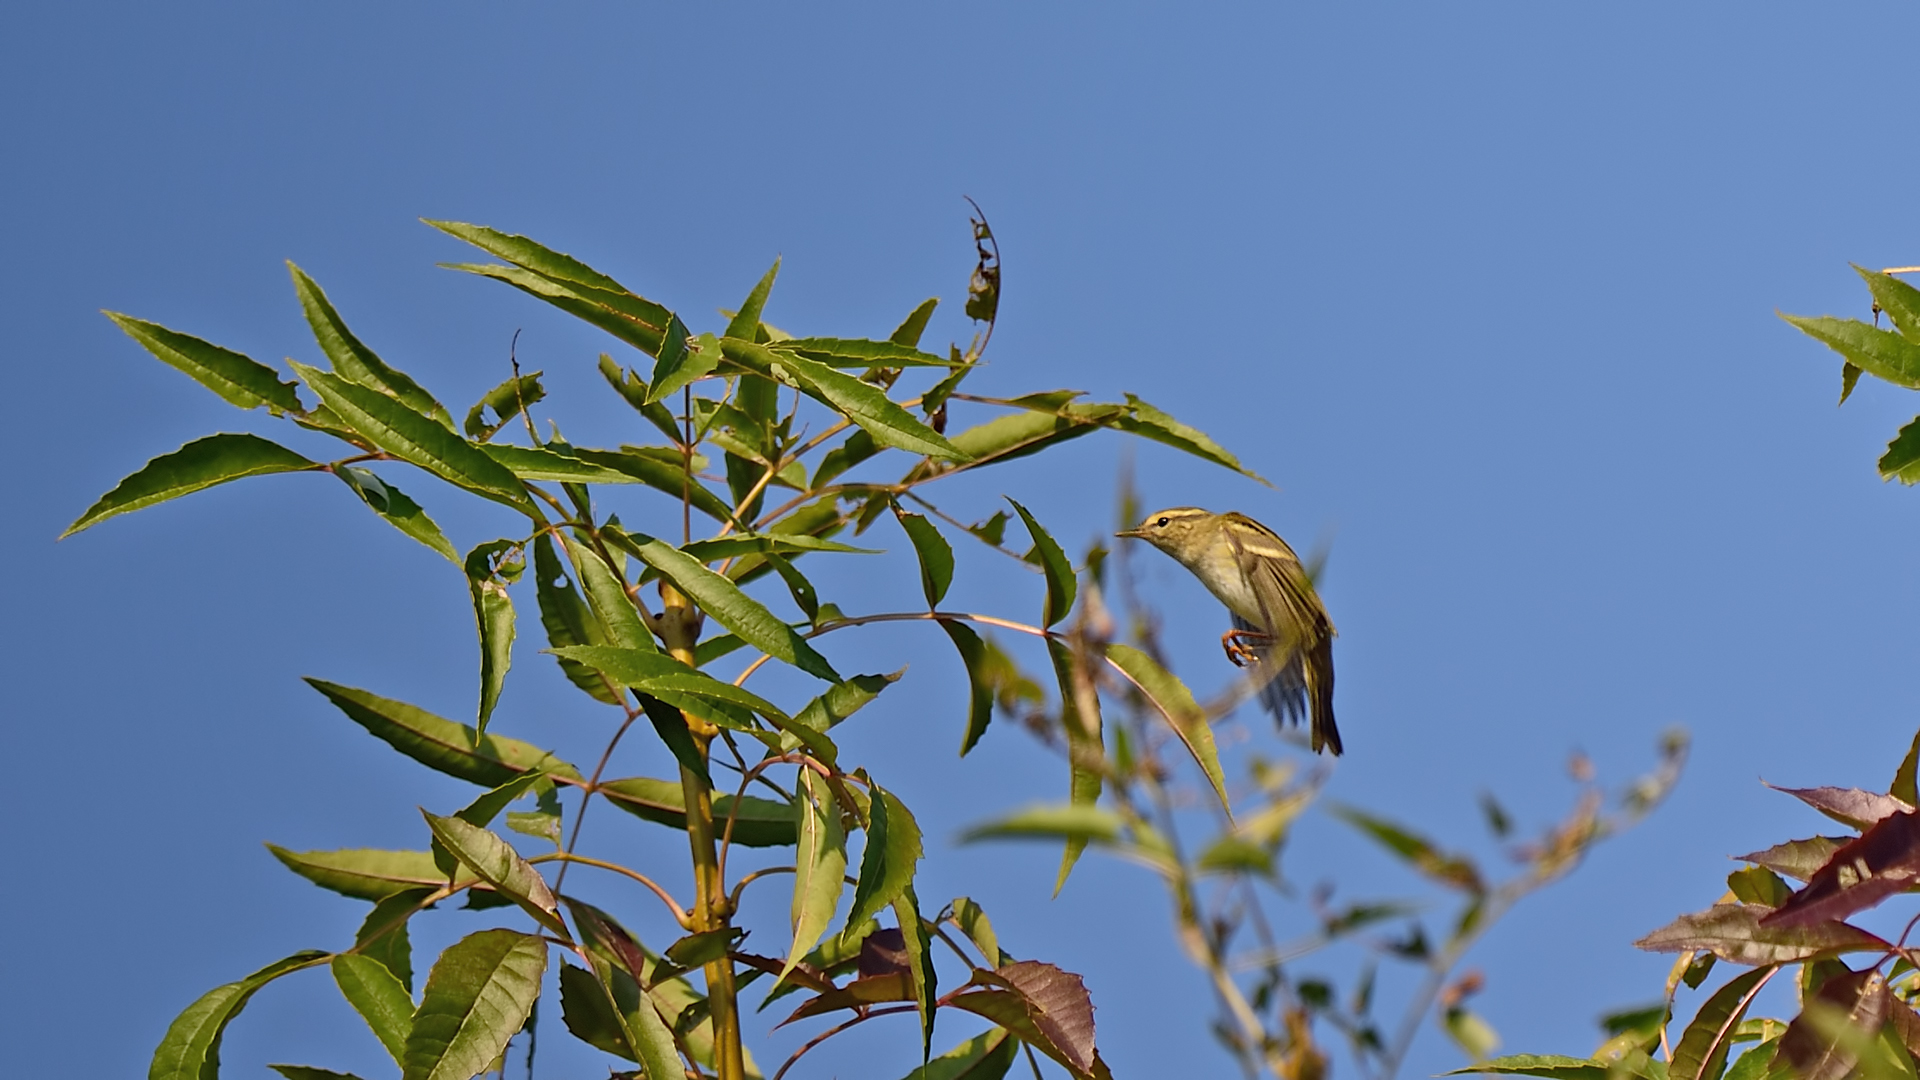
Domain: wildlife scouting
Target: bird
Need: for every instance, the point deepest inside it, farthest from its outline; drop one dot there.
(1279, 623)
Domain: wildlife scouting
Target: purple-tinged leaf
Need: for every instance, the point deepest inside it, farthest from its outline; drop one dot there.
(1733, 932)
(1046, 1007)
(1797, 859)
(1882, 862)
(1849, 806)
(1702, 1051)
(1814, 1043)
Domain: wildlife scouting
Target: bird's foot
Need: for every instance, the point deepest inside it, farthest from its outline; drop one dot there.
(1238, 649)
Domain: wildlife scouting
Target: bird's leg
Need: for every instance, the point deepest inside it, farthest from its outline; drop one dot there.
(1235, 642)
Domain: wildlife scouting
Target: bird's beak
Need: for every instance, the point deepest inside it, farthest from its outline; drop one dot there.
(1135, 533)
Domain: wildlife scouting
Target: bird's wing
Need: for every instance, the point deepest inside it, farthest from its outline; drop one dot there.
(1291, 611)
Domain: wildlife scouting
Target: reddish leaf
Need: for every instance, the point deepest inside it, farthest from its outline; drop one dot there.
(1884, 861)
(869, 990)
(884, 952)
(1906, 1024)
(1702, 1052)
(1797, 859)
(804, 974)
(1011, 1011)
(1056, 1002)
(1849, 806)
(1734, 932)
(1860, 998)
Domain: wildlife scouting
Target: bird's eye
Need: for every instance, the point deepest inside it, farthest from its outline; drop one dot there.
(1161, 524)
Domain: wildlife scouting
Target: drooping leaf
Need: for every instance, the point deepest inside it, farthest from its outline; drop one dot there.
(893, 851)
(587, 1010)
(507, 401)
(1817, 1050)
(1902, 460)
(1080, 716)
(379, 998)
(1733, 932)
(399, 511)
(1417, 851)
(634, 389)
(567, 619)
(383, 933)
(702, 947)
(973, 653)
(1017, 435)
(241, 380)
(190, 1050)
(917, 945)
(863, 403)
(1883, 861)
(641, 1026)
(1849, 806)
(455, 749)
(854, 449)
(729, 547)
(973, 922)
(1150, 423)
(1175, 702)
(488, 567)
(840, 701)
(756, 823)
(1797, 859)
(1881, 353)
(495, 862)
(198, 465)
(1702, 1051)
(936, 555)
(477, 998)
(820, 862)
(352, 360)
(730, 607)
(986, 1056)
(364, 873)
(1052, 1004)
(415, 439)
(1061, 584)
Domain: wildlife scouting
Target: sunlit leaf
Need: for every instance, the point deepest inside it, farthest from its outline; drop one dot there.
(1055, 1012)
(863, 403)
(438, 743)
(973, 653)
(1849, 806)
(745, 323)
(1898, 299)
(1415, 850)
(566, 283)
(986, 1056)
(1701, 1053)
(1733, 932)
(909, 331)
(1797, 858)
(936, 555)
(634, 389)
(1052, 822)
(1902, 460)
(196, 466)
(893, 851)
(670, 680)
(379, 998)
(486, 567)
(1150, 423)
(546, 463)
(1880, 353)
(1758, 885)
(477, 997)
(606, 592)
(241, 380)
(917, 944)
(820, 860)
(1548, 1067)
(364, 873)
(399, 511)
(1080, 717)
(567, 619)
(1883, 861)
(354, 361)
(682, 362)
(1175, 702)
(383, 933)
(859, 352)
(1815, 1043)
(757, 822)
(1061, 584)
(190, 1050)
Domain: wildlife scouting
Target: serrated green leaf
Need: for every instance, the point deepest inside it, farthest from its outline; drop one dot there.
(354, 361)
(634, 389)
(1174, 701)
(607, 595)
(680, 364)
(396, 508)
(198, 465)
(414, 438)
(1898, 299)
(1061, 584)
(1733, 933)
(730, 547)
(839, 702)
(756, 823)
(364, 873)
(567, 619)
(1883, 354)
(477, 998)
(1902, 460)
(507, 401)
(441, 744)
(915, 324)
(662, 470)
(1150, 423)
(379, 998)
(190, 1050)
(1758, 885)
(731, 608)
(973, 653)
(499, 865)
(863, 403)
(745, 323)
(1017, 435)
(543, 463)
(383, 933)
(239, 379)
(493, 615)
(861, 352)
(887, 865)
(936, 555)
(820, 861)
(1701, 1053)
(671, 681)
(986, 1056)
(565, 282)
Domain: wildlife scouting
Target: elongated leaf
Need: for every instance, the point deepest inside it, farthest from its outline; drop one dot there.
(493, 615)
(840, 701)
(1902, 460)
(756, 823)
(909, 331)
(732, 608)
(1175, 702)
(986, 1056)
(1416, 850)
(641, 1026)
(1061, 584)
(1702, 1051)
(1880, 353)
(1904, 786)
(399, 511)
(1150, 423)
(861, 352)
(973, 922)
(507, 401)
(1898, 299)
(745, 323)
(669, 679)
(365, 873)
(1882, 862)
(586, 1009)
(1052, 822)
(454, 749)
(308, 1072)
(663, 471)
(728, 547)
(379, 998)
(383, 933)
(680, 362)
(190, 1050)
(893, 850)
(936, 555)
(196, 466)
(477, 997)
(1849, 806)
(614, 312)
(499, 865)
(607, 594)
(529, 463)
(1733, 932)
(1546, 1066)
(1797, 858)
(351, 359)
(820, 861)
(973, 653)
(241, 380)
(1856, 1001)
(414, 438)
(917, 944)
(1057, 1003)
(863, 403)
(567, 619)
(1086, 748)
(634, 389)
(1006, 438)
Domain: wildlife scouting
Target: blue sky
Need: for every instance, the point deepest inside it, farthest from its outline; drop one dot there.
(1487, 290)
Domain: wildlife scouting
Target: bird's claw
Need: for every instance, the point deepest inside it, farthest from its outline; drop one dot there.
(1239, 652)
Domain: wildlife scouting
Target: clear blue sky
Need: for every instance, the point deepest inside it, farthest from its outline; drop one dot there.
(1487, 290)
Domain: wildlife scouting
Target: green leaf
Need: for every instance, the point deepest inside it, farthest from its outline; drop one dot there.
(986, 1056)
(1150, 423)
(544, 463)
(585, 1008)
(840, 701)
(486, 567)
(856, 448)
(1547, 1066)
(680, 365)
(566, 283)
(1415, 850)
(728, 547)
(730, 607)
(670, 680)
(745, 323)
(379, 998)
(607, 594)
(1733, 933)
(662, 470)
(308, 1072)
(1086, 749)
(1902, 460)
(364, 873)
(861, 352)
(863, 403)
(699, 949)
(634, 389)
(1053, 822)
(1898, 299)
(477, 998)
(507, 401)
(190, 1050)
(440, 744)
(399, 511)
(383, 933)
(1005, 438)
(1849, 378)
(820, 861)
(415, 439)
(1175, 702)
(936, 555)
(1880, 353)
(352, 360)
(567, 619)
(1472, 1034)
(1702, 1051)
(1903, 787)
(973, 922)
(499, 865)
(241, 380)
(196, 466)
(893, 850)
(973, 653)
(1758, 885)
(921, 977)
(641, 1026)
(1053, 562)
(909, 331)
(756, 823)
(1799, 859)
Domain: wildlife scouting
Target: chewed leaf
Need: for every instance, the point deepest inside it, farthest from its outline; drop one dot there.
(196, 466)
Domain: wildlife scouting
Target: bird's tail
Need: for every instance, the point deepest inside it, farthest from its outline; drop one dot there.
(1298, 686)
(1319, 679)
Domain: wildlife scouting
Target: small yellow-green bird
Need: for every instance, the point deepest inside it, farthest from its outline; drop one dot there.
(1278, 620)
